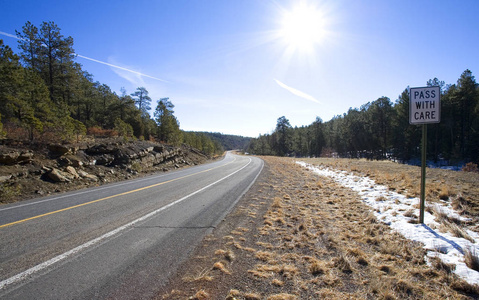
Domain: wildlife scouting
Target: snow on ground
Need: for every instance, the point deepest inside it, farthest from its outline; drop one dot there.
(390, 207)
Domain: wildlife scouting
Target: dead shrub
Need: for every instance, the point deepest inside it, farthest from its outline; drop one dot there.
(277, 202)
(201, 295)
(393, 245)
(289, 271)
(461, 205)
(470, 167)
(342, 263)
(384, 268)
(317, 268)
(233, 294)
(410, 213)
(458, 231)
(220, 266)
(252, 296)
(471, 259)
(362, 261)
(264, 255)
(9, 192)
(381, 198)
(446, 192)
(404, 289)
(443, 217)
(464, 287)
(277, 282)
(100, 132)
(228, 254)
(201, 276)
(282, 296)
(440, 265)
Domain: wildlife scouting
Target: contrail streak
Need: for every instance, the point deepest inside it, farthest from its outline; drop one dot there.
(121, 68)
(97, 61)
(296, 92)
(9, 35)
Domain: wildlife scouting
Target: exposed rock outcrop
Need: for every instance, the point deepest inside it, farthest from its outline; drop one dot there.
(16, 157)
(43, 169)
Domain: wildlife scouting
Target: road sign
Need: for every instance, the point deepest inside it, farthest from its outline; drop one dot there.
(424, 108)
(424, 105)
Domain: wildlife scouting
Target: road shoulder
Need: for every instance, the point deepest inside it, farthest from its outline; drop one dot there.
(295, 235)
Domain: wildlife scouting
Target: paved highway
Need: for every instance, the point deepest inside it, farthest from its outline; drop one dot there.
(119, 241)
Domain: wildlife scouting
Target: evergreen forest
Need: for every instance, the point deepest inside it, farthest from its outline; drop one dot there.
(46, 96)
(380, 130)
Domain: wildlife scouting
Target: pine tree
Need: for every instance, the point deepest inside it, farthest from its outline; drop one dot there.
(168, 125)
(284, 137)
(142, 100)
(30, 45)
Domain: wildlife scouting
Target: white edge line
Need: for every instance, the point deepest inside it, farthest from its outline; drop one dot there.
(65, 255)
(241, 195)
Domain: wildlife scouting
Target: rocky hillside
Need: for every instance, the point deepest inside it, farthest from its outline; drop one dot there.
(32, 170)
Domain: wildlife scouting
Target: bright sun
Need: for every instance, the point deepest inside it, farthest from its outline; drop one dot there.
(302, 28)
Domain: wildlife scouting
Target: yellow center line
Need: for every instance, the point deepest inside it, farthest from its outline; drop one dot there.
(110, 197)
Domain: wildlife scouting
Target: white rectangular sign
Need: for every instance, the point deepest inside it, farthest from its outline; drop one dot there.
(424, 105)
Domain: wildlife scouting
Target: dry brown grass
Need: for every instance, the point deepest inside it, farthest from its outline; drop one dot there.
(203, 275)
(221, 266)
(317, 240)
(228, 254)
(471, 259)
(201, 295)
(441, 184)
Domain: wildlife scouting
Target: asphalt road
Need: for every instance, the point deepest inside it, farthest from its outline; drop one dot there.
(117, 241)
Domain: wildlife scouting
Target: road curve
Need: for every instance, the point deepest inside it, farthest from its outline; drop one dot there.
(117, 241)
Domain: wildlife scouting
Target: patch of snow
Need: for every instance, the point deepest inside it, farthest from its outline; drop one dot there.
(389, 207)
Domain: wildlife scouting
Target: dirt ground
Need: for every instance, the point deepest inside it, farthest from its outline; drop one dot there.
(296, 235)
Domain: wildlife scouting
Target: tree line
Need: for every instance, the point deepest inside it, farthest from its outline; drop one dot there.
(380, 130)
(46, 96)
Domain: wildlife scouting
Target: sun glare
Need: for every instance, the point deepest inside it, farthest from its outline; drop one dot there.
(302, 27)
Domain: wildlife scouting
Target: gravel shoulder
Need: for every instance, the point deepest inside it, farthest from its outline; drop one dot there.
(295, 235)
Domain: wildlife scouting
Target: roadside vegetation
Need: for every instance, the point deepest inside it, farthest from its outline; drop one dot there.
(460, 189)
(297, 235)
(380, 129)
(47, 97)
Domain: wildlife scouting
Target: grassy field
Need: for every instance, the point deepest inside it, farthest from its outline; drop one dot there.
(296, 235)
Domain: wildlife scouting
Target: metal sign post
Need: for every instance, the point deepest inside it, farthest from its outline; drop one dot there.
(423, 173)
(424, 108)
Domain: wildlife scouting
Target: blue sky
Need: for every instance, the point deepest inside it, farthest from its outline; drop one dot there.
(236, 66)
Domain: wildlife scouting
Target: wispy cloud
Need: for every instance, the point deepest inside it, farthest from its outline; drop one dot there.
(296, 92)
(98, 61)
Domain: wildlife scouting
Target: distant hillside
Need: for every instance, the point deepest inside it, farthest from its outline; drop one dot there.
(228, 141)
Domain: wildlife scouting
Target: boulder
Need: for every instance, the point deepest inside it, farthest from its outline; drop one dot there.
(71, 170)
(105, 159)
(58, 176)
(9, 158)
(26, 156)
(5, 178)
(64, 161)
(87, 176)
(77, 163)
(159, 148)
(59, 150)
